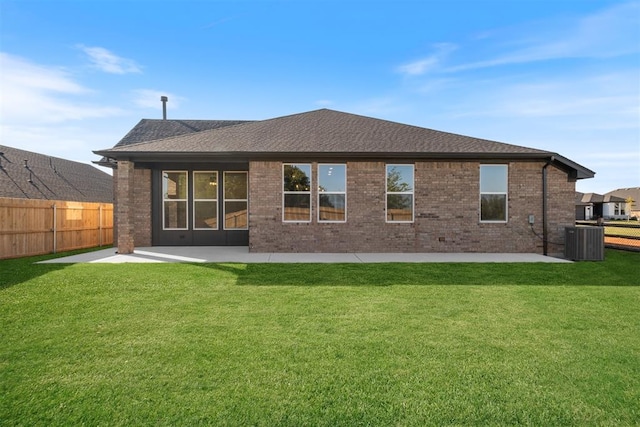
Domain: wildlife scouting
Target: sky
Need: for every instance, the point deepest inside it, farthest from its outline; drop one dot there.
(557, 75)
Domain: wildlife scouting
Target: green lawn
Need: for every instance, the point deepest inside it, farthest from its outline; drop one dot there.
(622, 231)
(320, 345)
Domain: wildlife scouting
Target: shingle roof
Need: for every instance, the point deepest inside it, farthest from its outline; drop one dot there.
(51, 178)
(328, 132)
(587, 198)
(152, 129)
(324, 131)
(633, 192)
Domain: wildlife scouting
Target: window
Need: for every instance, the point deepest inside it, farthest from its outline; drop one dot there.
(399, 193)
(493, 193)
(296, 192)
(174, 200)
(205, 200)
(618, 209)
(235, 201)
(332, 193)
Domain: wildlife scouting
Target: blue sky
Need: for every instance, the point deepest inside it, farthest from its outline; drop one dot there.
(561, 75)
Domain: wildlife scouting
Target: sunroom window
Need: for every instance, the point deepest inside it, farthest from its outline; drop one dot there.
(205, 200)
(235, 201)
(174, 200)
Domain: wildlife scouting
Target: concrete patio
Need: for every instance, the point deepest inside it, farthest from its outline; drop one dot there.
(241, 254)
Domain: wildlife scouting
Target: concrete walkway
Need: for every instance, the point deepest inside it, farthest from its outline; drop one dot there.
(241, 254)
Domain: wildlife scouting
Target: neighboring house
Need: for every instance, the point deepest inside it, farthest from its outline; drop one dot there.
(593, 206)
(328, 181)
(28, 175)
(633, 194)
(584, 209)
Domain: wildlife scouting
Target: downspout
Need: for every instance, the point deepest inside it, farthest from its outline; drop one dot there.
(545, 244)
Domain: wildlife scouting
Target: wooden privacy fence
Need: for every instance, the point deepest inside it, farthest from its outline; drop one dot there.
(34, 227)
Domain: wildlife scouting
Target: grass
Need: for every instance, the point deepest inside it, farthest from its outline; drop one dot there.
(309, 344)
(622, 231)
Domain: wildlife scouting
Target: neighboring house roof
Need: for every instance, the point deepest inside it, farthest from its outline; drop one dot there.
(589, 198)
(51, 178)
(579, 199)
(152, 129)
(625, 193)
(329, 133)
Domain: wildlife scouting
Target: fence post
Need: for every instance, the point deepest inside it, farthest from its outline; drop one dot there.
(100, 225)
(55, 229)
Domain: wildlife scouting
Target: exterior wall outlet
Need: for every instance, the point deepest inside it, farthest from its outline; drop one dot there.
(531, 219)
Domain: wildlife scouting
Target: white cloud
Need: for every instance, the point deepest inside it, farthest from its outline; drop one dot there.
(418, 67)
(609, 33)
(429, 63)
(16, 71)
(33, 93)
(107, 61)
(579, 101)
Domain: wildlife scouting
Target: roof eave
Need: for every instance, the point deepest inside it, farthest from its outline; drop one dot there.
(132, 155)
(576, 170)
(580, 172)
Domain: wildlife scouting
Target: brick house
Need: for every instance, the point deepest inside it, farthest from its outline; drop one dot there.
(328, 181)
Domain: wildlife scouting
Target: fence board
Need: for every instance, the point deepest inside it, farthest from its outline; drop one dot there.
(27, 227)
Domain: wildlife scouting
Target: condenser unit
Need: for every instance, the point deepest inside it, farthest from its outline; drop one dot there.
(584, 243)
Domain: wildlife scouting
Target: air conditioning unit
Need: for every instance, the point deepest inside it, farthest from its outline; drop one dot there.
(584, 243)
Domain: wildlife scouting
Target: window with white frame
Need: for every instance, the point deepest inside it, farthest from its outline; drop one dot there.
(332, 193)
(399, 193)
(205, 200)
(175, 213)
(235, 201)
(493, 193)
(296, 188)
(617, 209)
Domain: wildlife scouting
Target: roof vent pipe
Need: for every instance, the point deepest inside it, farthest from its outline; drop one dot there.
(164, 100)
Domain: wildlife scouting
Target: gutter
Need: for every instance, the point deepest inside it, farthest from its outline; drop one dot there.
(545, 240)
(287, 155)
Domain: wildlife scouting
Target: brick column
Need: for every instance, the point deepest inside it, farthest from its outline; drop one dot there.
(125, 208)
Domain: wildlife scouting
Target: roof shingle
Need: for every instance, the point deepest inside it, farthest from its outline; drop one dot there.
(51, 178)
(152, 129)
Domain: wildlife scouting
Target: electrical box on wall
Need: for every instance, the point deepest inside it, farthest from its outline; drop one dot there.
(531, 219)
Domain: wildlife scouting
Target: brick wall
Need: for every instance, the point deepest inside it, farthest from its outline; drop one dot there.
(125, 207)
(561, 207)
(446, 211)
(132, 207)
